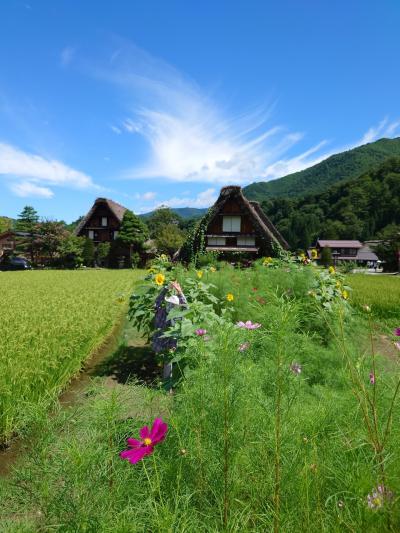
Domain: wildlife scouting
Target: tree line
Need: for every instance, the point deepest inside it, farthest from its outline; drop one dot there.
(364, 208)
(53, 243)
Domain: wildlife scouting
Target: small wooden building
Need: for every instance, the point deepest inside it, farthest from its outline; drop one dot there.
(7, 242)
(102, 222)
(347, 250)
(10, 239)
(236, 225)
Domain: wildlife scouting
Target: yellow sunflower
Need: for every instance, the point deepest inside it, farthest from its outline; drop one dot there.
(345, 294)
(213, 269)
(314, 254)
(230, 297)
(331, 270)
(199, 274)
(159, 279)
(267, 261)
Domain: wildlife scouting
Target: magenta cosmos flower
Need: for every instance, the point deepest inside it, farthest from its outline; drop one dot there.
(248, 325)
(397, 332)
(372, 378)
(200, 332)
(148, 439)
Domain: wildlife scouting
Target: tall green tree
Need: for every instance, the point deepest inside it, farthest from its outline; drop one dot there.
(27, 222)
(70, 251)
(88, 252)
(133, 233)
(326, 256)
(388, 250)
(163, 216)
(49, 236)
(169, 239)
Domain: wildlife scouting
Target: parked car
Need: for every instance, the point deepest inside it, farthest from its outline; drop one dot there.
(14, 263)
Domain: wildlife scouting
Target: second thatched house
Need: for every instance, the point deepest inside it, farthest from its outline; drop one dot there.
(102, 222)
(234, 226)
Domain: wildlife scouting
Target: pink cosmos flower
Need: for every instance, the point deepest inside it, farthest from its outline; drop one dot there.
(397, 332)
(397, 345)
(248, 325)
(372, 378)
(148, 439)
(244, 346)
(200, 332)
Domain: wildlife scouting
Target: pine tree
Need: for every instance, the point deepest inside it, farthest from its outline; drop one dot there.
(133, 233)
(27, 223)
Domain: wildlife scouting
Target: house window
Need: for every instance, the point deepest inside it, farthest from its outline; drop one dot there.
(246, 241)
(104, 221)
(115, 235)
(91, 234)
(230, 223)
(216, 241)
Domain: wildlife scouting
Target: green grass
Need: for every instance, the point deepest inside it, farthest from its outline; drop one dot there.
(50, 322)
(250, 447)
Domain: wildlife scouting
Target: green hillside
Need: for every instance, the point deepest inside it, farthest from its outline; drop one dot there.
(360, 208)
(318, 178)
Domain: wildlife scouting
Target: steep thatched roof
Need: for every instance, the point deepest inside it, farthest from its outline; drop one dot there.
(117, 209)
(259, 218)
(268, 234)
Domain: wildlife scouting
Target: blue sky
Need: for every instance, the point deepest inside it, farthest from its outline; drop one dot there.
(164, 102)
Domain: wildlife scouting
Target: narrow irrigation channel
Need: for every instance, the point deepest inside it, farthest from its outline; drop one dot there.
(121, 356)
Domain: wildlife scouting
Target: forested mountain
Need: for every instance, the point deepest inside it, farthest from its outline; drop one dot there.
(359, 208)
(318, 178)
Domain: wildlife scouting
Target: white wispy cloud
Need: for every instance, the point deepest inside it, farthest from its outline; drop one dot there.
(203, 199)
(67, 55)
(192, 139)
(384, 129)
(116, 130)
(314, 155)
(131, 126)
(27, 189)
(32, 174)
(147, 196)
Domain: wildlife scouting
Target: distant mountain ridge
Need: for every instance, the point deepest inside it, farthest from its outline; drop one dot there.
(183, 212)
(336, 168)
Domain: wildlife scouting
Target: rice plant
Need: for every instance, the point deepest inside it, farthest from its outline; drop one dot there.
(50, 322)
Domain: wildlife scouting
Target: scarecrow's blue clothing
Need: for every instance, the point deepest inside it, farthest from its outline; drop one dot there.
(161, 322)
